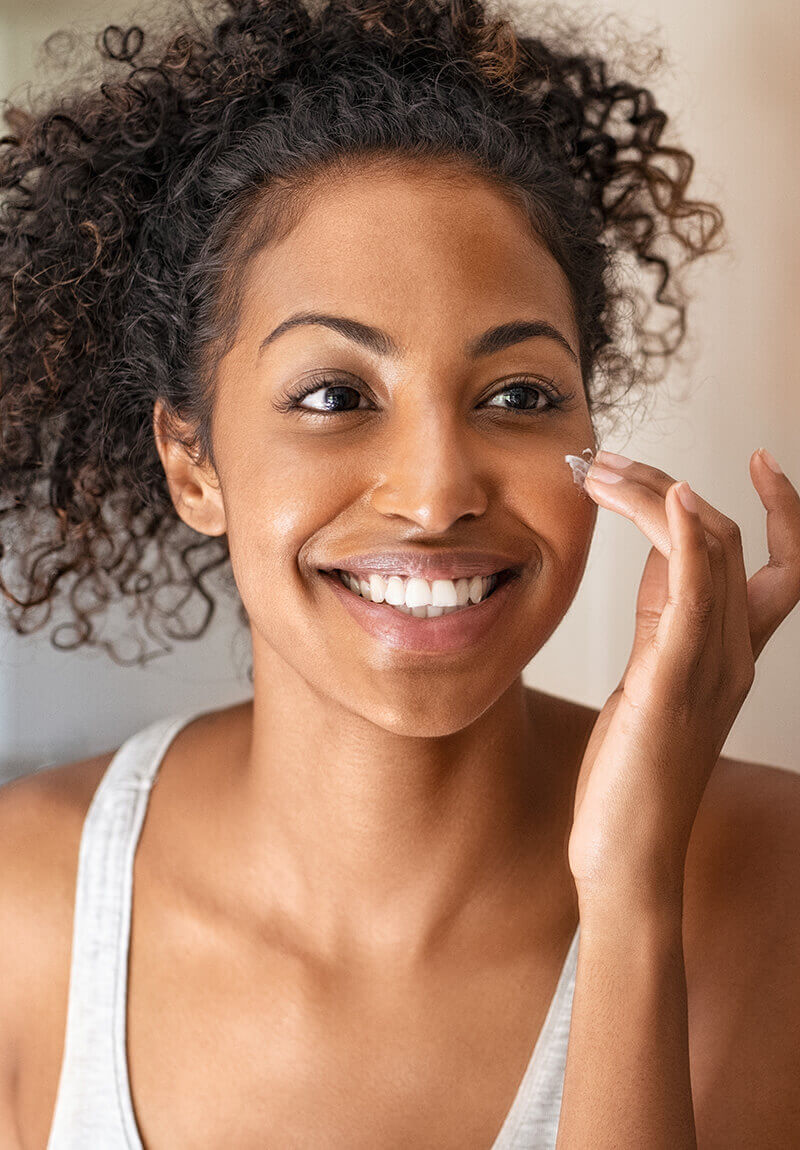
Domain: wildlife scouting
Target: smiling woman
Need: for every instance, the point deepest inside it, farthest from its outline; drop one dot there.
(326, 294)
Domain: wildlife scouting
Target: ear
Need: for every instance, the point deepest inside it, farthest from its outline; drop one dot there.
(195, 490)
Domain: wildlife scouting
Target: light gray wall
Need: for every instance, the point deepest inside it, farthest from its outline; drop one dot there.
(732, 84)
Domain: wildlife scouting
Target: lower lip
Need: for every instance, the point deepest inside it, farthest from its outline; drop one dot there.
(452, 632)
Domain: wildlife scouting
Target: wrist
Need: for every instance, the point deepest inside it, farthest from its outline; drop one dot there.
(637, 946)
(641, 895)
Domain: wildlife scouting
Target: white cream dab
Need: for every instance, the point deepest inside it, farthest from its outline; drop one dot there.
(580, 466)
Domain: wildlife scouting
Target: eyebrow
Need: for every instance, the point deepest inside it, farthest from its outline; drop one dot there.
(381, 343)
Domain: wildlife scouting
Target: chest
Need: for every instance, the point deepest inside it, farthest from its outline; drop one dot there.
(255, 1039)
(228, 1039)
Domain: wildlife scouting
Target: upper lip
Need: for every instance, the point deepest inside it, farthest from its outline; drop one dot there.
(430, 565)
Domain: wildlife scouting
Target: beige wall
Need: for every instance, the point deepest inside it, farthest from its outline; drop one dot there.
(732, 85)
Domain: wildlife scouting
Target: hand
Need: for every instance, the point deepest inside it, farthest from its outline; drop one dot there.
(700, 626)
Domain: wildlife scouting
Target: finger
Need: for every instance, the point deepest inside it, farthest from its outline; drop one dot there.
(638, 502)
(735, 631)
(638, 492)
(659, 482)
(774, 590)
(690, 614)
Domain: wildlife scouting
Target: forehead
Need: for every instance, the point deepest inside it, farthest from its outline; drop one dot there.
(423, 254)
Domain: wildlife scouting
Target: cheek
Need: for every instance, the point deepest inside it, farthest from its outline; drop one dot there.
(560, 519)
(554, 508)
(275, 502)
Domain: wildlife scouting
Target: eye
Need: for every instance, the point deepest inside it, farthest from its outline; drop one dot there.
(522, 392)
(334, 398)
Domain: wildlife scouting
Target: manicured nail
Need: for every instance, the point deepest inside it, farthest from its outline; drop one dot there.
(770, 461)
(687, 496)
(602, 474)
(613, 460)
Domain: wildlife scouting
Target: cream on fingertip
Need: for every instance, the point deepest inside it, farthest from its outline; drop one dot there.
(580, 466)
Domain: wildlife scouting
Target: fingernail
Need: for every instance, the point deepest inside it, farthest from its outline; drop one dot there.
(770, 461)
(602, 474)
(687, 496)
(613, 460)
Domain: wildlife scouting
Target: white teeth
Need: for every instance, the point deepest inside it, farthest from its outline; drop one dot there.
(418, 594)
(395, 591)
(443, 593)
(418, 597)
(377, 588)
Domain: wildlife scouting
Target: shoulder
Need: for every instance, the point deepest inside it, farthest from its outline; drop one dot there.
(744, 842)
(41, 818)
(742, 953)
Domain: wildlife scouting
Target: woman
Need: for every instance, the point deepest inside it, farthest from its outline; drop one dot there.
(330, 294)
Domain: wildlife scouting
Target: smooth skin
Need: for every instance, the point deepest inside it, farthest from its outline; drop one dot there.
(353, 895)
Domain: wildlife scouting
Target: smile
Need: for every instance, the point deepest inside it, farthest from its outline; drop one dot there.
(415, 614)
(423, 598)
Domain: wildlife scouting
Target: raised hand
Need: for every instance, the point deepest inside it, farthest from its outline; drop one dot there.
(700, 626)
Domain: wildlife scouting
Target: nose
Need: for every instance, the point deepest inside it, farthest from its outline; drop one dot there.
(432, 475)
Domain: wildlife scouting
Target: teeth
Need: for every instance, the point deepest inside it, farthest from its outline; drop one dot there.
(418, 594)
(418, 597)
(476, 589)
(444, 593)
(377, 589)
(395, 591)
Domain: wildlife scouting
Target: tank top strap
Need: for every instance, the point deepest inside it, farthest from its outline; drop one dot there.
(90, 1105)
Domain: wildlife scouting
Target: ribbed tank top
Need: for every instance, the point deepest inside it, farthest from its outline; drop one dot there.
(93, 1109)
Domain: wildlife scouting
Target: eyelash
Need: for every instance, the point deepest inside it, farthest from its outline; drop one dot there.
(555, 399)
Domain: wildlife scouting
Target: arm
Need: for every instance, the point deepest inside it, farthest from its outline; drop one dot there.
(700, 625)
(627, 1078)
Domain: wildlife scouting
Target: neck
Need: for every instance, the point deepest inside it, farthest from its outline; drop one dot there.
(375, 845)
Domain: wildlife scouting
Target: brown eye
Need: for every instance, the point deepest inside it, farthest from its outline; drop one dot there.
(335, 398)
(333, 401)
(524, 398)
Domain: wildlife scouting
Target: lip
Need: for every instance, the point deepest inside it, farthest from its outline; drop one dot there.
(442, 565)
(456, 632)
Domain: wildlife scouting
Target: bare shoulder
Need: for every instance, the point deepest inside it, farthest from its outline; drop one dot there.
(742, 953)
(744, 842)
(41, 818)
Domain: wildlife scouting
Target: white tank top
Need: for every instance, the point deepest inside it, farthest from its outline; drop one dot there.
(93, 1109)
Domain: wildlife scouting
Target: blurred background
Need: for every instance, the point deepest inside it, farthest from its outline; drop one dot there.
(731, 85)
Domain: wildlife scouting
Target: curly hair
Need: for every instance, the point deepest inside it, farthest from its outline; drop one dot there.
(129, 207)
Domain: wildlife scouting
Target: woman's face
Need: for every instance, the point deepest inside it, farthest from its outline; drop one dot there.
(429, 449)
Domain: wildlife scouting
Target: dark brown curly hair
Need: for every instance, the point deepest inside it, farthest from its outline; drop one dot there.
(129, 206)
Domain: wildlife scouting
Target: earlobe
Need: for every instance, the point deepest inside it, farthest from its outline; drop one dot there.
(195, 491)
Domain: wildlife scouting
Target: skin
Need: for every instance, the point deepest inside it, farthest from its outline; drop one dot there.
(700, 625)
(376, 845)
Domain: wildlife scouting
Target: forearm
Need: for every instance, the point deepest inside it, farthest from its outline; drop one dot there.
(627, 1082)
